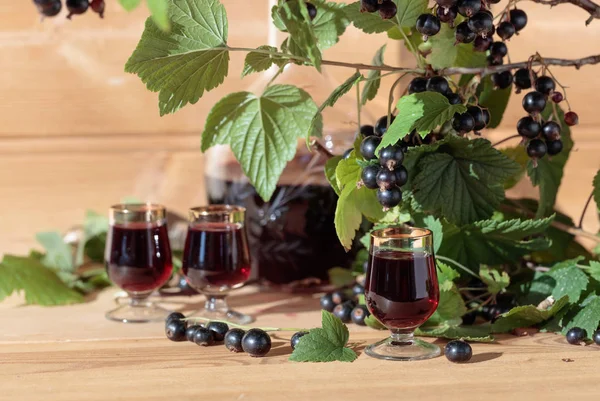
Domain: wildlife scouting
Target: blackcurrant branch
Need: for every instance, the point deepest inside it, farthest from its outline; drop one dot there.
(505, 140)
(316, 145)
(587, 203)
(358, 101)
(587, 5)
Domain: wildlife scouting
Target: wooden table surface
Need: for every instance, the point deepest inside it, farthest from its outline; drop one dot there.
(74, 353)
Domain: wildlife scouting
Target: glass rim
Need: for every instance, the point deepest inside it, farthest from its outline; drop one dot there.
(214, 209)
(406, 233)
(137, 207)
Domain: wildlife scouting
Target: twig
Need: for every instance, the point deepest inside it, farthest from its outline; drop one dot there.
(358, 101)
(505, 139)
(316, 145)
(457, 264)
(585, 209)
(587, 5)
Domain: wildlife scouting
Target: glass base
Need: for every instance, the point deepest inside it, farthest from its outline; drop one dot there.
(138, 311)
(403, 347)
(216, 309)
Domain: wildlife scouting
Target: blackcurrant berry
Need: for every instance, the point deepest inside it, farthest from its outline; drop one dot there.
(369, 176)
(557, 97)
(551, 131)
(98, 7)
(389, 197)
(368, 146)
(387, 9)
(327, 301)
(454, 98)
(296, 338)
(494, 1)
(493, 61)
(358, 289)
(428, 25)
(536, 148)
(596, 337)
(175, 330)
(571, 118)
(174, 316)
(369, 6)
(256, 342)
(344, 312)
(518, 18)
(498, 49)
(76, 7)
(219, 329)
(191, 331)
(446, 4)
(554, 147)
(505, 30)
(481, 117)
(576, 336)
(347, 153)
(481, 23)
(438, 84)
(204, 337)
(502, 80)
(401, 175)
(528, 127)
(545, 85)
(367, 130)
(233, 340)
(386, 178)
(469, 318)
(481, 44)
(466, 8)
(523, 78)
(417, 85)
(458, 351)
(339, 297)
(391, 156)
(534, 102)
(381, 126)
(464, 34)
(446, 14)
(48, 8)
(359, 314)
(312, 10)
(463, 122)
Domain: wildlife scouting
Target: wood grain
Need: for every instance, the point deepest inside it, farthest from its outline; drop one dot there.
(73, 353)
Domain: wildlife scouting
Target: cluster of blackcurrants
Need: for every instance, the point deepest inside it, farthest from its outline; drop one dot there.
(388, 174)
(475, 118)
(344, 305)
(255, 342)
(387, 8)
(51, 8)
(577, 336)
(541, 136)
(479, 22)
(488, 313)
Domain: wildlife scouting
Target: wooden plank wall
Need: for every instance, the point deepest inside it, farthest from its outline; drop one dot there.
(78, 133)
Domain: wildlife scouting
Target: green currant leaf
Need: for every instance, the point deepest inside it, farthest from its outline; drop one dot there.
(95, 227)
(479, 333)
(159, 11)
(444, 53)
(303, 40)
(588, 317)
(451, 307)
(446, 276)
(58, 254)
(435, 225)
(495, 280)
(40, 284)
(187, 61)
(330, 167)
(491, 242)
(373, 78)
(340, 277)
(570, 280)
(596, 185)
(372, 322)
(495, 100)
(465, 182)
(129, 5)
(519, 155)
(594, 270)
(329, 24)
(257, 62)
(325, 344)
(367, 22)
(549, 172)
(527, 316)
(261, 130)
(409, 11)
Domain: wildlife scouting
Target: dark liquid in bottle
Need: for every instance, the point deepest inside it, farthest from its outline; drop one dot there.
(401, 288)
(139, 256)
(215, 256)
(292, 236)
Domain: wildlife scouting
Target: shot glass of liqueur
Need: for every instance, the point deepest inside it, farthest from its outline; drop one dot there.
(216, 258)
(401, 290)
(138, 259)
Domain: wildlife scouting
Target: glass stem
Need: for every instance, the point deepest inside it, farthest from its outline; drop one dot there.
(216, 303)
(401, 337)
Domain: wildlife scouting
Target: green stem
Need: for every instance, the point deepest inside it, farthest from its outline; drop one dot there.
(239, 326)
(460, 266)
(412, 48)
(472, 289)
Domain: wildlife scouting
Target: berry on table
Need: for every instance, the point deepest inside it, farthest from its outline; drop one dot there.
(175, 330)
(191, 331)
(464, 34)
(368, 146)
(76, 7)
(428, 25)
(523, 78)
(401, 175)
(233, 340)
(480, 115)
(571, 118)
(534, 102)
(447, 15)
(458, 351)
(551, 131)
(256, 342)
(481, 23)
(327, 303)
(367, 130)
(369, 6)
(204, 337)
(518, 18)
(502, 80)
(466, 8)
(505, 30)
(381, 125)
(528, 127)
(536, 148)
(369, 176)
(387, 9)
(389, 198)
(296, 338)
(554, 147)
(463, 123)
(417, 85)
(359, 314)
(344, 311)
(312, 10)
(98, 7)
(391, 156)
(576, 336)
(596, 337)
(545, 85)
(482, 44)
(438, 84)
(174, 316)
(339, 297)
(218, 329)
